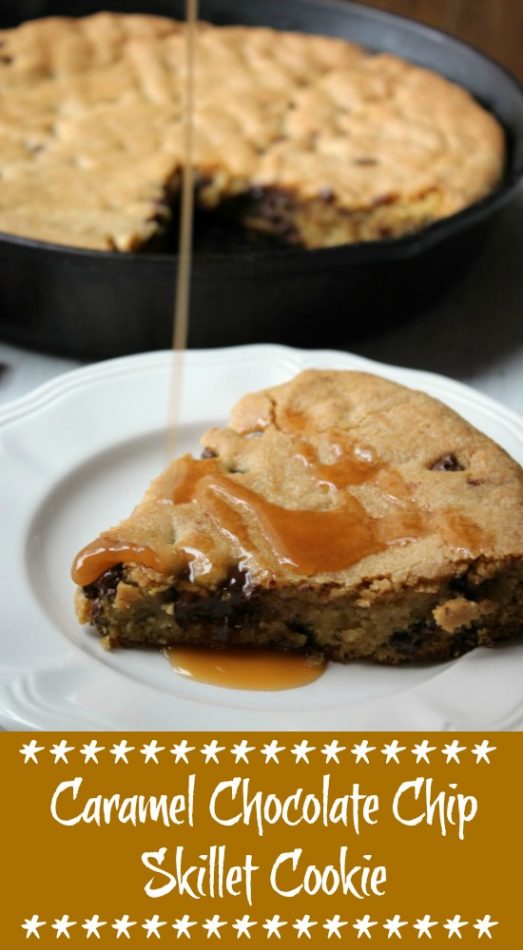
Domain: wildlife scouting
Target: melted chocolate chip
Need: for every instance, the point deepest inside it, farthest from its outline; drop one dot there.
(472, 591)
(463, 642)
(106, 585)
(365, 161)
(96, 609)
(209, 454)
(225, 609)
(425, 638)
(203, 180)
(327, 195)
(214, 609)
(410, 642)
(219, 611)
(240, 580)
(273, 206)
(297, 627)
(447, 463)
(387, 199)
(459, 585)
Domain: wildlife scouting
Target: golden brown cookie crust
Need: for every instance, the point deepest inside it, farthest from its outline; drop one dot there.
(340, 512)
(330, 143)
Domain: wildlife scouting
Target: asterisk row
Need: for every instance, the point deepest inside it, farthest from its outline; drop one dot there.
(242, 752)
(273, 926)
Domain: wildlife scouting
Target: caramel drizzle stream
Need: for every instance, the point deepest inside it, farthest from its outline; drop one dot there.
(183, 277)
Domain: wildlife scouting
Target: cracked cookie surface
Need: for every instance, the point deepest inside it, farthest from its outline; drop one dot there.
(307, 138)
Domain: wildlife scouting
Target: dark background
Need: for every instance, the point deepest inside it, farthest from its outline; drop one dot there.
(496, 26)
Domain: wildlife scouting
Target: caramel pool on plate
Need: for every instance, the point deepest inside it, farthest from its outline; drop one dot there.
(250, 669)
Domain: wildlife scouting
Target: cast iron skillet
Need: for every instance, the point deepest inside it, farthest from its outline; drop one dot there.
(101, 304)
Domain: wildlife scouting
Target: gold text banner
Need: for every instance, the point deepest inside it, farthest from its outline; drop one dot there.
(259, 840)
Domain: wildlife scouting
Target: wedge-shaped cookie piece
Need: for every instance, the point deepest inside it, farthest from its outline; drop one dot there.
(338, 513)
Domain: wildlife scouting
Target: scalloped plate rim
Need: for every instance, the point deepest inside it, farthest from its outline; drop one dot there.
(24, 702)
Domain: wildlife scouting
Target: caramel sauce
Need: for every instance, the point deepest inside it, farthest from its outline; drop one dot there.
(183, 277)
(292, 421)
(354, 465)
(310, 542)
(189, 473)
(104, 553)
(461, 533)
(251, 669)
(306, 541)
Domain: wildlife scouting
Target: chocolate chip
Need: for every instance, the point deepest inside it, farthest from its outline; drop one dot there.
(458, 585)
(257, 192)
(106, 585)
(109, 581)
(6, 60)
(209, 454)
(463, 642)
(96, 609)
(327, 195)
(191, 611)
(386, 199)
(203, 180)
(474, 591)
(223, 609)
(240, 580)
(295, 626)
(447, 463)
(216, 610)
(273, 205)
(365, 161)
(410, 642)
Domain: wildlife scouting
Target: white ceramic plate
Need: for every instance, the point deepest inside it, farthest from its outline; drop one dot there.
(75, 457)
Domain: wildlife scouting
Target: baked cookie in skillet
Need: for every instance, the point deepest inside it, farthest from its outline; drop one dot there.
(310, 139)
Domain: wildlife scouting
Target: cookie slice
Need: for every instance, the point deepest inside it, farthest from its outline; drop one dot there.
(339, 513)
